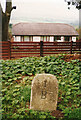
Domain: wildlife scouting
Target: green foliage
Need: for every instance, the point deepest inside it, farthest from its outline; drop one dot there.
(73, 114)
(27, 114)
(17, 76)
(25, 93)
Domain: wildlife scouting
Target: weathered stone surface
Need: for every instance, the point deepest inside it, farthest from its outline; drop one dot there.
(44, 92)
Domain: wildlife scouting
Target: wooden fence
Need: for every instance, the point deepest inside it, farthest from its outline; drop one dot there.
(9, 50)
(25, 49)
(5, 50)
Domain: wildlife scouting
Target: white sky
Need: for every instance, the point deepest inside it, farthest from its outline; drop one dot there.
(43, 11)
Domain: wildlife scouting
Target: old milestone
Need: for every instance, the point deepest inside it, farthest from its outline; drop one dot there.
(44, 92)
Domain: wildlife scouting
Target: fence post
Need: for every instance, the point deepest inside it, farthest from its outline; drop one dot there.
(41, 48)
(9, 50)
(71, 45)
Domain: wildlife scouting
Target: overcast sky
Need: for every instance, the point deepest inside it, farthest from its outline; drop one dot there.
(43, 11)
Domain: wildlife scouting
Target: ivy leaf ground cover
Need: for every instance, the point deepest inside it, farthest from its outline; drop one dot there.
(17, 75)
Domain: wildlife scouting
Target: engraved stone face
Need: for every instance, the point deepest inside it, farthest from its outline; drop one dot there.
(44, 92)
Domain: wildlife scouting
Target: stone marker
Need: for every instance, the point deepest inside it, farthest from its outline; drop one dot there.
(44, 92)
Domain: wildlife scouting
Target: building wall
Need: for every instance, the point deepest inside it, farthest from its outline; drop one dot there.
(36, 38)
(17, 39)
(26, 38)
(44, 38)
(74, 39)
(51, 38)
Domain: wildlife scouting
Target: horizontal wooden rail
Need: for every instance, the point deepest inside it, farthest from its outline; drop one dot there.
(25, 48)
(25, 53)
(24, 45)
(29, 42)
(56, 47)
(54, 50)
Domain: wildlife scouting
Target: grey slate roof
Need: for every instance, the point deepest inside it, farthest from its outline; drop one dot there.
(43, 29)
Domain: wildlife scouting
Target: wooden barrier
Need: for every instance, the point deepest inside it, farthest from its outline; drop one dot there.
(76, 47)
(15, 50)
(5, 50)
(25, 49)
(56, 47)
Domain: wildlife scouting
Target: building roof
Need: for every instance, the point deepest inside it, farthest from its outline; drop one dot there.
(43, 29)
